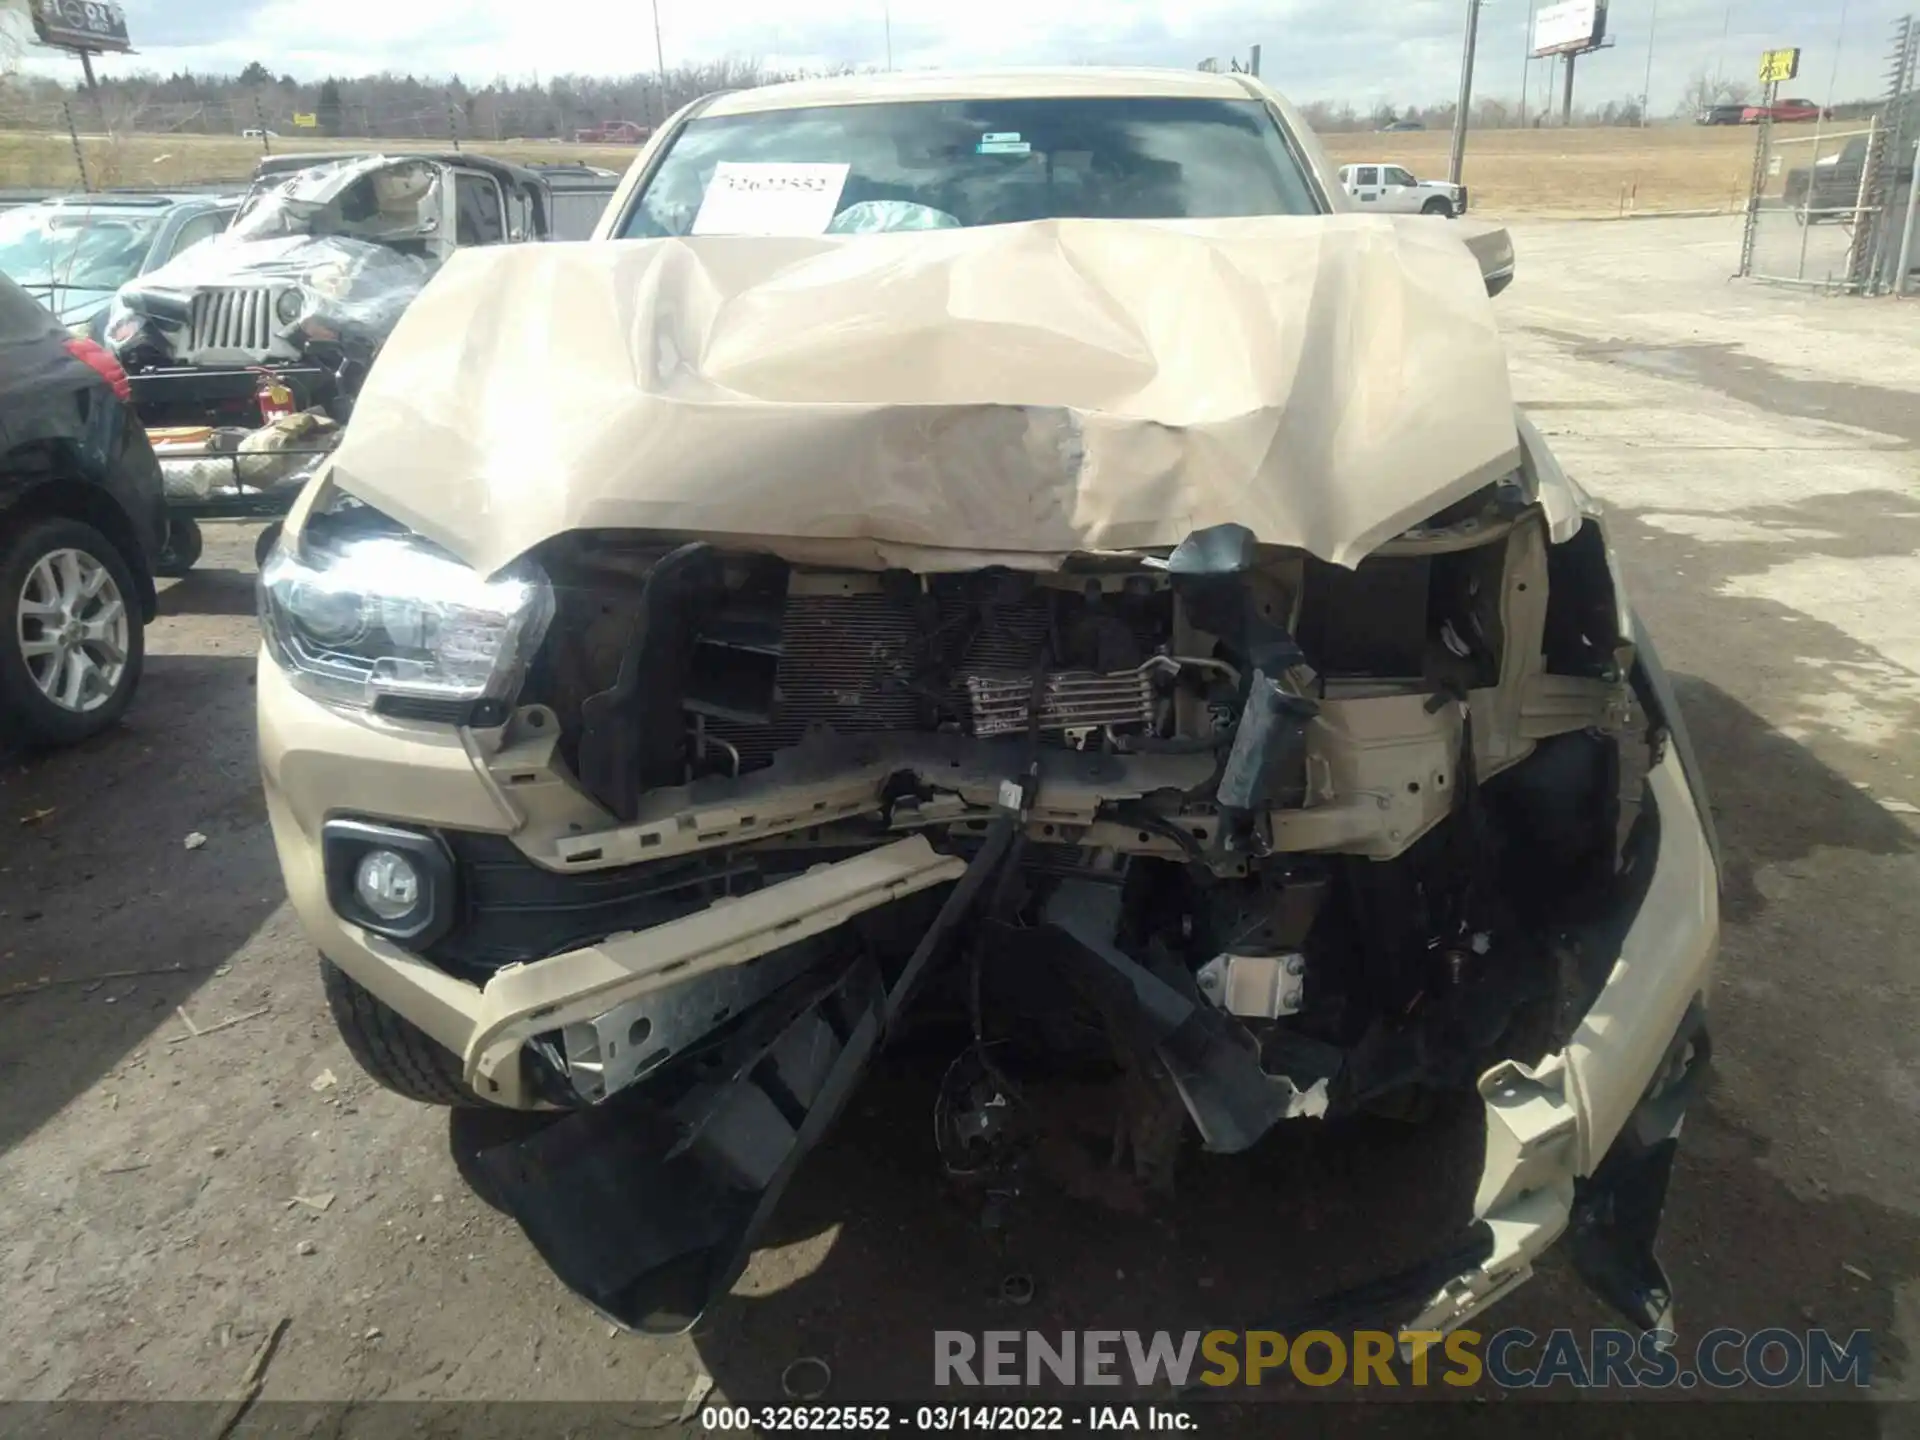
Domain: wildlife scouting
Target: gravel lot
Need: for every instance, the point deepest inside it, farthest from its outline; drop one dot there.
(160, 1190)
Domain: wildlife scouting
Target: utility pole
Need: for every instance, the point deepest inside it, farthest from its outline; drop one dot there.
(1466, 94)
(1253, 64)
(1646, 88)
(886, 13)
(660, 64)
(1526, 64)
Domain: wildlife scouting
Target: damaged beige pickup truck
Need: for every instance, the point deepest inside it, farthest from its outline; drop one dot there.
(1002, 561)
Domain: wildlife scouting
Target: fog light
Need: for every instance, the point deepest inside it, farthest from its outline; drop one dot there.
(387, 883)
(396, 883)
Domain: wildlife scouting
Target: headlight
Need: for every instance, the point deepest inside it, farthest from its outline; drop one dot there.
(124, 325)
(290, 305)
(370, 616)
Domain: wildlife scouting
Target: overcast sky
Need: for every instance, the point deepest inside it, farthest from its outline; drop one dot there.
(1359, 50)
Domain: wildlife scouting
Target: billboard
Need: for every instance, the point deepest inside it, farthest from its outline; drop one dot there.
(81, 24)
(1574, 25)
(1778, 65)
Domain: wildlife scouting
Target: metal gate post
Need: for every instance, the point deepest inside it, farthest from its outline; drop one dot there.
(1757, 183)
(1862, 234)
(1870, 264)
(1900, 276)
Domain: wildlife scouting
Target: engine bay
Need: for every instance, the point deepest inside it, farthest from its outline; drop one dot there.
(1351, 812)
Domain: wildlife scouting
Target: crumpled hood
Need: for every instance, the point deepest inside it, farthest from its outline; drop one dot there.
(282, 260)
(944, 399)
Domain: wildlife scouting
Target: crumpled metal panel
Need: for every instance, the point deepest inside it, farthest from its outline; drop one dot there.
(945, 399)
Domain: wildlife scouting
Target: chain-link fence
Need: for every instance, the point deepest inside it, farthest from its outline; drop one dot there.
(1829, 210)
(1809, 217)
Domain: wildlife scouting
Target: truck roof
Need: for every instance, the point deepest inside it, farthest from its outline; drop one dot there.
(287, 164)
(1011, 84)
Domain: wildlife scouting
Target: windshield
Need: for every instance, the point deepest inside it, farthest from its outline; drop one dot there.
(395, 203)
(941, 164)
(67, 245)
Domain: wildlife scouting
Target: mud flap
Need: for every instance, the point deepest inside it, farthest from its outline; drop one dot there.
(647, 1207)
(1616, 1212)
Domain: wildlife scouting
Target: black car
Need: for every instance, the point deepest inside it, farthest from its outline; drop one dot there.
(1722, 115)
(82, 523)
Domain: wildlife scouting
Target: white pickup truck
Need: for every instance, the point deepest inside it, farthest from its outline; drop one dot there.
(1394, 190)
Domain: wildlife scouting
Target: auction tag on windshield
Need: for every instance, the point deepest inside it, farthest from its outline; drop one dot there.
(1002, 142)
(749, 198)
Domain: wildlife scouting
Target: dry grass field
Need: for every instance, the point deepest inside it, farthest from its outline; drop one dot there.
(1587, 172)
(1579, 173)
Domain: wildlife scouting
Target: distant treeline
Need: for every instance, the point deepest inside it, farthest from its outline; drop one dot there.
(417, 107)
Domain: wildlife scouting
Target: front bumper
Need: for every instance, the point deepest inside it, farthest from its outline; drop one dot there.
(1550, 1125)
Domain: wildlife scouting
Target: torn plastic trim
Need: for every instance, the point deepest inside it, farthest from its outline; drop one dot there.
(648, 1205)
(649, 1213)
(1655, 688)
(1213, 1059)
(1616, 1214)
(581, 985)
(1554, 1127)
(1554, 1158)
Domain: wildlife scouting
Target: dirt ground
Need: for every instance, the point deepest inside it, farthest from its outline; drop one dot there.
(1580, 172)
(168, 1198)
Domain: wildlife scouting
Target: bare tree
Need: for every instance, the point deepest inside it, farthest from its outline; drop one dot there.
(1706, 90)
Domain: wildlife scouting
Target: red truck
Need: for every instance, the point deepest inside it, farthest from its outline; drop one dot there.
(614, 132)
(1783, 112)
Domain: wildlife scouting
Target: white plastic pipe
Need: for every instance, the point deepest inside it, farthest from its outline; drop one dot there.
(1903, 276)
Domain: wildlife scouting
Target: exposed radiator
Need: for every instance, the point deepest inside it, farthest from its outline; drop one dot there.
(845, 662)
(1069, 700)
(232, 319)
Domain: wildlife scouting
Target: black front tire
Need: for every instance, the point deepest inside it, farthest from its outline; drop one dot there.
(392, 1050)
(184, 544)
(1437, 207)
(263, 544)
(28, 716)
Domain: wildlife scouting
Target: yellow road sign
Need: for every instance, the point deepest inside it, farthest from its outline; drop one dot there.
(1777, 65)
(307, 122)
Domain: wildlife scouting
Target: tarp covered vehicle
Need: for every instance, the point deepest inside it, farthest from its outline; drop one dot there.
(312, 276)
(287, 309)
(1012, 553)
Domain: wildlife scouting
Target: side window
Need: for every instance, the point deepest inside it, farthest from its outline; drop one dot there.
(519, 216)
(1367, 175)
(480, 213)
(201, 227)
(1394, 175)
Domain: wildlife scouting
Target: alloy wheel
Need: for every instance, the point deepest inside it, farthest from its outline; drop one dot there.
(73, 630)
